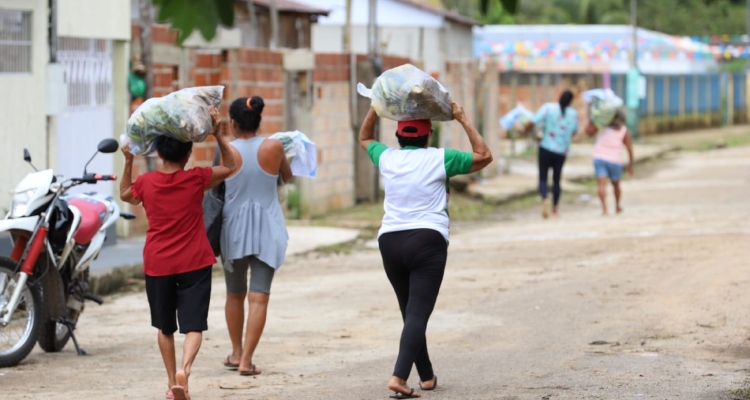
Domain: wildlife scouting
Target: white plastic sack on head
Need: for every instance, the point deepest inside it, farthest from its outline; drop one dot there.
(301, 150)
(604, 104)
(518, 114)
(407, 93)
(183, 115)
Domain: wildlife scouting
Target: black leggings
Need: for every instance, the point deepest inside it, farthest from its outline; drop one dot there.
(547, 160)
(414, 261)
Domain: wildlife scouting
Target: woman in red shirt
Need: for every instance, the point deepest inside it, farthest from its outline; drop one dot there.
(177, 257)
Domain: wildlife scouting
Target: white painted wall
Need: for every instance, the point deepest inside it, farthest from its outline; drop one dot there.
(388, 13)
(100, 19)
(22, 109)
(399, 27)
(439, 45)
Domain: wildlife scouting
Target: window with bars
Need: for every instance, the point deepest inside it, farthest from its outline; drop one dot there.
(15, 41)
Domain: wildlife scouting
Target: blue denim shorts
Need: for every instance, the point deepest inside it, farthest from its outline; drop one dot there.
(606, 169)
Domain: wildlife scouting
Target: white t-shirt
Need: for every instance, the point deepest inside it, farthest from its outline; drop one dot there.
(416, 185)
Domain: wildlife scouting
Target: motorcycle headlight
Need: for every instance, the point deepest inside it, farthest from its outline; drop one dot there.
(20, 203)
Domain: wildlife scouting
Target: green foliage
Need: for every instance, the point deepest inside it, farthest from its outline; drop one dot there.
(294, 203)
(676, 17)
(188, 15)
(511, 6)
(734, 65)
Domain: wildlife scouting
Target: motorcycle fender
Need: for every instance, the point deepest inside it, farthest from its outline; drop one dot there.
(19, 224)
(53, 294)
(91, 252)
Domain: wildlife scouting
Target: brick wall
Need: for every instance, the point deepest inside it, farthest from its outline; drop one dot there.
(333, 188)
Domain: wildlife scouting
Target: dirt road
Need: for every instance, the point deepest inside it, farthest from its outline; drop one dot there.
(664, 290)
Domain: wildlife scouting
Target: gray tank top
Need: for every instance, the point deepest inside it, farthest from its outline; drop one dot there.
(253, 223)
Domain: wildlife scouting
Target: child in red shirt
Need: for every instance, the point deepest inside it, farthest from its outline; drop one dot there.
(177, 256)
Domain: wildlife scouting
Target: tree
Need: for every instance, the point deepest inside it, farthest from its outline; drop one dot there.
(188, 15)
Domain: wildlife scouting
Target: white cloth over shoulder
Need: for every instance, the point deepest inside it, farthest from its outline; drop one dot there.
(301, 150)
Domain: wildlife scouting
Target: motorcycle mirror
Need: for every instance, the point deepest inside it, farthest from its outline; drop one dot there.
(27, 158)
(108, 146)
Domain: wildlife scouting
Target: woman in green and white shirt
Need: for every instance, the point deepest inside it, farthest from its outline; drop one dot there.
(414, 234)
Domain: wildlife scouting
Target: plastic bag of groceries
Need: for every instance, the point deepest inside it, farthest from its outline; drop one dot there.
(407, 93)
(515, 121)
(603, 106)
(183, 115)
(301, 150)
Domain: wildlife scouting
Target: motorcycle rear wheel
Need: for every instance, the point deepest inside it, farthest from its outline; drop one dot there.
(18, 338)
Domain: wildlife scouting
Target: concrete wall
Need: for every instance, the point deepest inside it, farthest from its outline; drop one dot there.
(460, 81)
(23, 112)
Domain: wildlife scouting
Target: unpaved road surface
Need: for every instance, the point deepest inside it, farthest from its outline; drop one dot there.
(664, 289)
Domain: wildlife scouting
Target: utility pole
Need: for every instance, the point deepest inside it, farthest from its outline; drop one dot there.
(634, 23)
(145, 22)
(253, 22)
(274, 24)
(633, 98)
(348, 28)
(372, 51)
(372, 30)
(747, 22)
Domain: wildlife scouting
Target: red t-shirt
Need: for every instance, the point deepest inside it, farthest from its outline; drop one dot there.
(176, 240)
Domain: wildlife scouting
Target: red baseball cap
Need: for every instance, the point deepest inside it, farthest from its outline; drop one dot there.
(423, 127)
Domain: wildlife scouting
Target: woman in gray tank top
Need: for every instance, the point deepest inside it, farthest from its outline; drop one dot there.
(254, 235)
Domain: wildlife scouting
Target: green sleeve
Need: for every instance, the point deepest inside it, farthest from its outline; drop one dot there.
(457, 162)
(374, 150)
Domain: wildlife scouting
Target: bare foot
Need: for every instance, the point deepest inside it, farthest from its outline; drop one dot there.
(428, 385)
(555, 215)
(399, 385)
(619, 210)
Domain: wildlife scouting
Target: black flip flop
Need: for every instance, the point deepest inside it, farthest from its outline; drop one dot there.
(229, 365)
(404, 396)
(250, 373)
(433, 386)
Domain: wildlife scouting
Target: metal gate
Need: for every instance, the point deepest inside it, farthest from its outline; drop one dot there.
(89, 115)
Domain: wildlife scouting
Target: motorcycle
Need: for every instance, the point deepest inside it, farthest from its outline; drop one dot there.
(56, 236)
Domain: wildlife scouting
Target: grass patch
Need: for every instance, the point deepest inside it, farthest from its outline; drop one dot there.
(744, 392)
(345, 248)
(698, 143)
(119, 280)
(367, 216)
(713, 144)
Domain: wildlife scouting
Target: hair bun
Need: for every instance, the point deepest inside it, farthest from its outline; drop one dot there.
(257, 103)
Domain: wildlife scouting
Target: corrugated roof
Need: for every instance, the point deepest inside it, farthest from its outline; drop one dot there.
(292, 6)
(450, 15)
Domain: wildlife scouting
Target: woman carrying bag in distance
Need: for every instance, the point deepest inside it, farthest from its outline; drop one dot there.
(560, 123)
(413, 238)
(254, 236)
